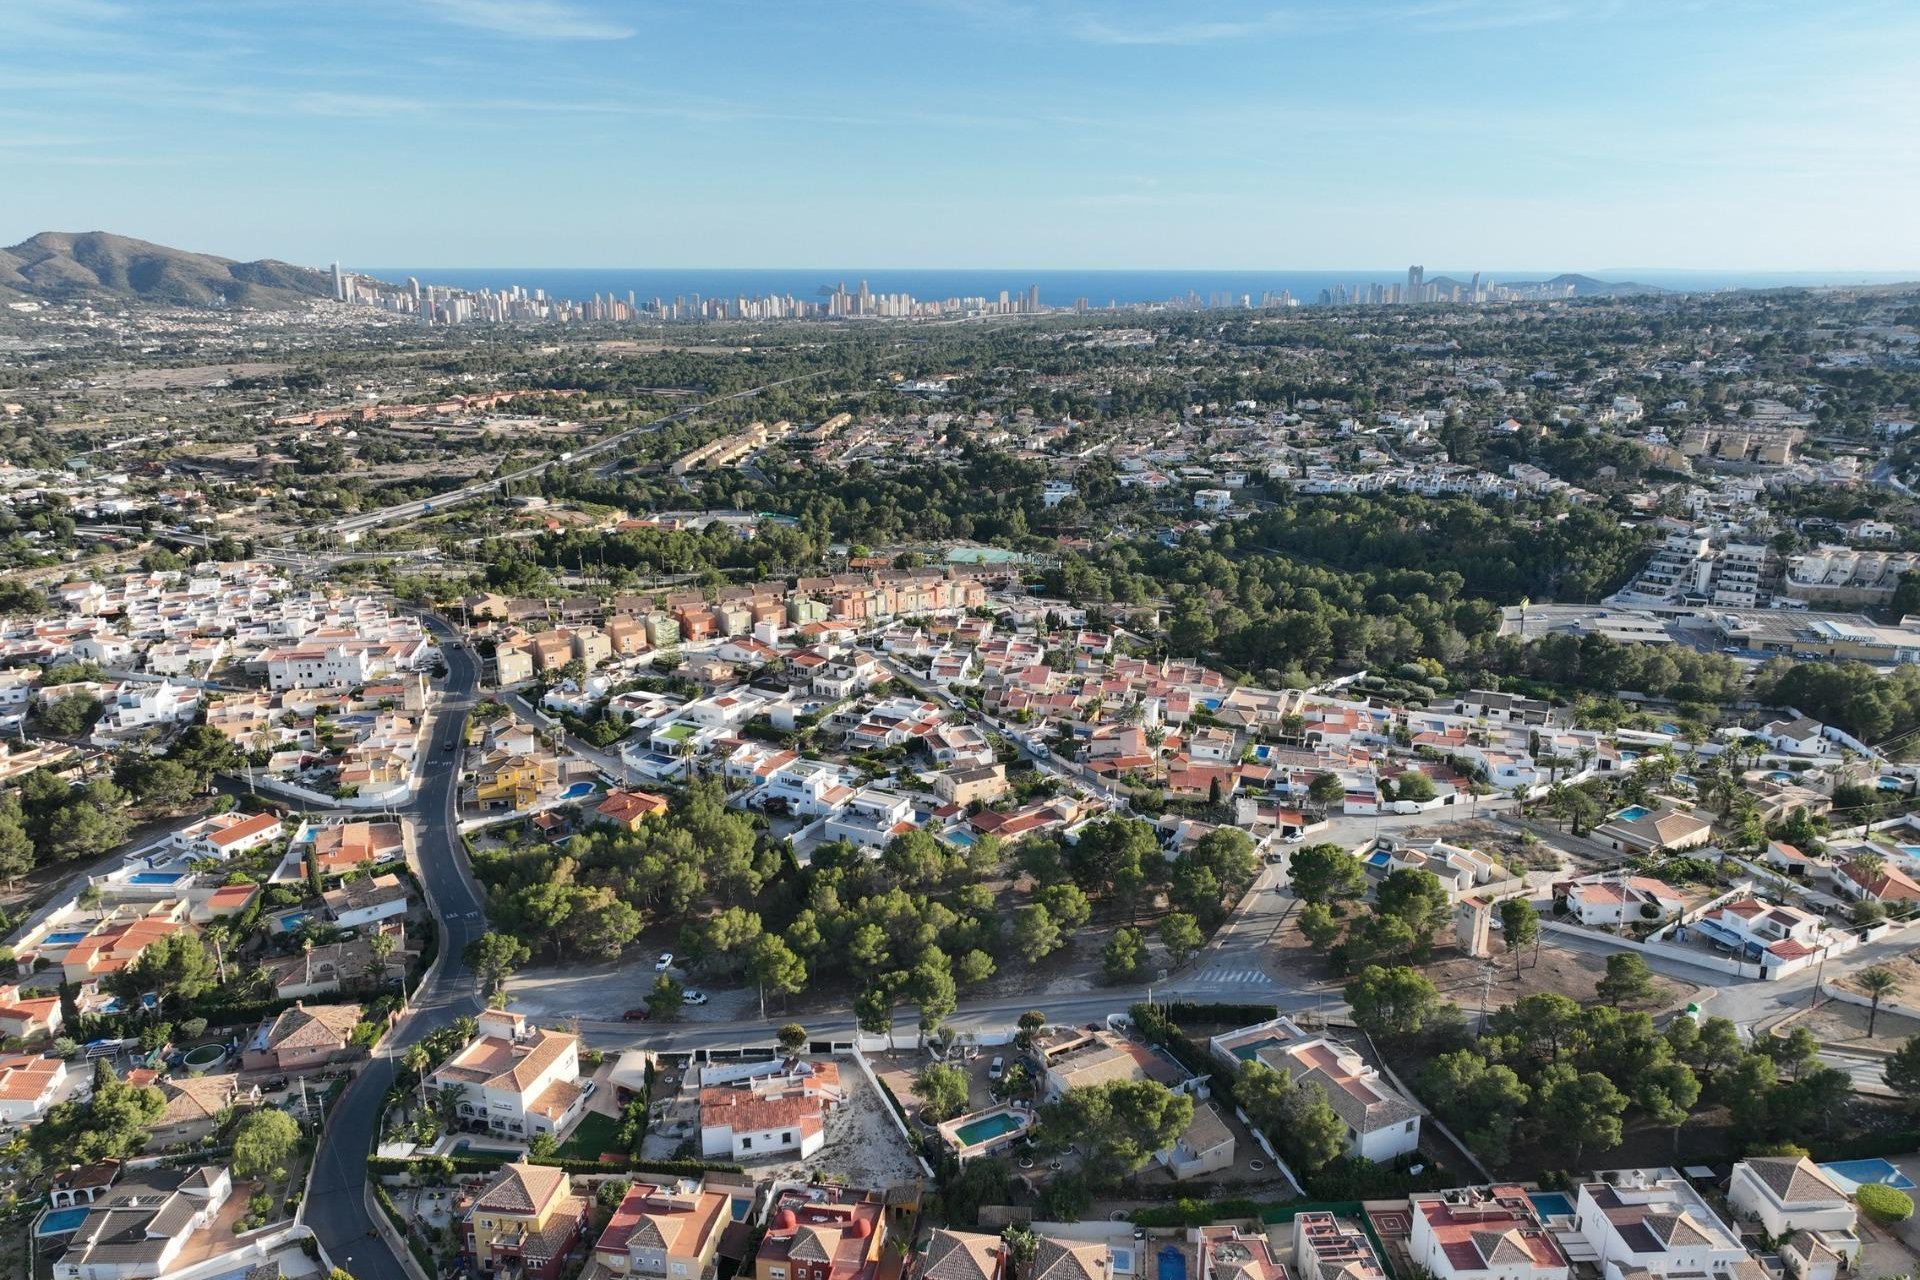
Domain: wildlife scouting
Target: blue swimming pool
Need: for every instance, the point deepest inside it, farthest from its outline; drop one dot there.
(1779, 775)
(56, 1222)
(1861, 1172)
(1633, 813)
(961, 838)
(1551, 1204)
(1892, 784)
(577, 791)
(1170, 1264)
(66, 937)
(157, 877)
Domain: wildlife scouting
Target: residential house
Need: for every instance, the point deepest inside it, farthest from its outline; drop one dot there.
(629, 809)
(302, 1038)
(870, 818)
(1654, 830)
(227, 835)
(1780, 939)
(515, 1080)
(1797, 737)
(29, 1017)
(367, 900)
(965, 1255)
(1613, 898)
(1205, 1146)
(823, 1233)
(29, 1084)
(1231, 1253)
(1651, 1222)
(1381, 1123)
(1483, 1233)
(665, 1230)
(138, 1227)
(752, 1110)
(525, 1224)
(349, 964)
(1324, 1248)
(1791, 1193)
(964, 786)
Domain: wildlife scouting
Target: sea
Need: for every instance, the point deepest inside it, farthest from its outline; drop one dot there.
(1057, 288)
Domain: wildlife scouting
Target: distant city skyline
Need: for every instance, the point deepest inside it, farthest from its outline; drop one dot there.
(973, 134)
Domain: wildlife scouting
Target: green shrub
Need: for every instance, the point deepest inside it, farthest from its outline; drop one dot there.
(1883, 1203)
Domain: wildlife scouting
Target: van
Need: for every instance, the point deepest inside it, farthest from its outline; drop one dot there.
(996, 1068)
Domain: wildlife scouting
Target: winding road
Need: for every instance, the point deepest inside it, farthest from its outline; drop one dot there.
(336, 1203)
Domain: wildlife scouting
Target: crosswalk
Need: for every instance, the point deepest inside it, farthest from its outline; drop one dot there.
(1219, 976)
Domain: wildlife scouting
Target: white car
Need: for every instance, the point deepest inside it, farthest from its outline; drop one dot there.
(664, 963)
(693, 997)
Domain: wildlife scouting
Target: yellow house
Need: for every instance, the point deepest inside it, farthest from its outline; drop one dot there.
(515, 782)
(526, 1222)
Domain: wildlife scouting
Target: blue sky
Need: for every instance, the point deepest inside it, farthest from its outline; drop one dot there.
(1578, 134)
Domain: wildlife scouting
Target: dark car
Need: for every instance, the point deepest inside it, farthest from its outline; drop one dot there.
(640, 1014)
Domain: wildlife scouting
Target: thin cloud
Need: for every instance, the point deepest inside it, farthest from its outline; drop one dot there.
(529, 19)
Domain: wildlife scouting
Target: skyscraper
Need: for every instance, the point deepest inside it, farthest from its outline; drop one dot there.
(1416, 279)
(339, 284)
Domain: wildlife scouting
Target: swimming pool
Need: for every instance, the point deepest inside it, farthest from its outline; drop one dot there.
(1893, 784)
(1779, 775)
(1860, 1172)
(55, 1222)
(1633, 813)
(987, 1128)
(1551, 1204)
(577, 790)
(157, 877)
(65, 938)
(962, 838)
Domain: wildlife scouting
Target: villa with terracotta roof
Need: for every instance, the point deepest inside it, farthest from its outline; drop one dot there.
(1483, 1233)
(1608, 897)
(228, 835)
(629, 808)
(516, 1080)
(29, 1083)
(1861, 879)
(823, 1233)
(525, 1224)
(1649, 832)
(964, 1255)
(1068, 1258)
(1651, 1222)
(1381, 1122)
(1780, 939)
(672, 1231)
(340, 847)
(749, 1111)
(28, 1016)
(302, 1038)
(118, 942)
(1228, 1253)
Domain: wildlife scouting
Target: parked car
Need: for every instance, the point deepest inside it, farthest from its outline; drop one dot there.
(639, 1013)
(664, 963)
(693, 997)
(996, 1068)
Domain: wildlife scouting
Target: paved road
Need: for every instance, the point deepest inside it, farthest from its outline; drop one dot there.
(336, 1203)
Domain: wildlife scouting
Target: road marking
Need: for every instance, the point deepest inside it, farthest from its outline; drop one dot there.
(1216, 974)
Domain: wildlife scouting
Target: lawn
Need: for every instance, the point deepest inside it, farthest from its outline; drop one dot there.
(595, 1136)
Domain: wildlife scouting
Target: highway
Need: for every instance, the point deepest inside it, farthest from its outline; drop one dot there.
(336, 1203)
(467, 493)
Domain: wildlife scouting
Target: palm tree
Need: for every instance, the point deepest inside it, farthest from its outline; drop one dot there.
(1878, 983)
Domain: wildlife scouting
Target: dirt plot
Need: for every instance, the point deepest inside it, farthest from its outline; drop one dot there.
(1905, 969)
(1503, 843)
(1838, 1023)
(191, 376)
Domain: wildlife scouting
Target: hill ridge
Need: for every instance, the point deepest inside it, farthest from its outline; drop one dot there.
(62, 266)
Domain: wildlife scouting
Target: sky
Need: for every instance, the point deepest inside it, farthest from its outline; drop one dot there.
(1558, 134)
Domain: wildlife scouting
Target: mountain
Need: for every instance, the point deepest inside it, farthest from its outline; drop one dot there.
(60, 266)
(1586, 286)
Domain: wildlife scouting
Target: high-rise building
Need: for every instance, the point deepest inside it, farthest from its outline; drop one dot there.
(1033, 297)
(339, 284)
(1416, 278)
